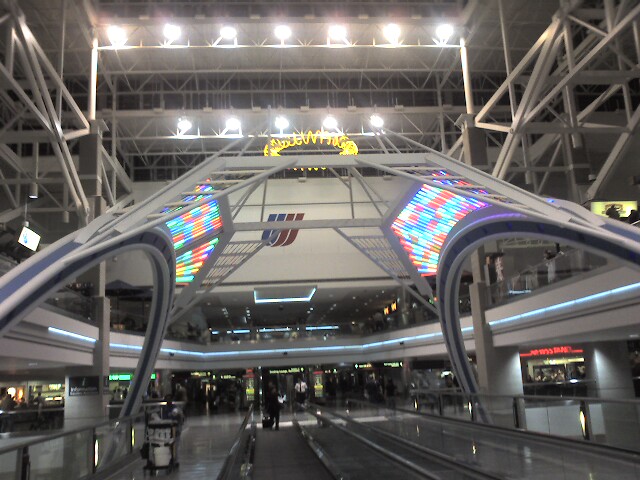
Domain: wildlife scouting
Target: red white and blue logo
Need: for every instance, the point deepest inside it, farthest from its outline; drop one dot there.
(281, 238)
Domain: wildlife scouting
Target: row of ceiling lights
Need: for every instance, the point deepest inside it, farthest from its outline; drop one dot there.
(233, 124)
(336, 33)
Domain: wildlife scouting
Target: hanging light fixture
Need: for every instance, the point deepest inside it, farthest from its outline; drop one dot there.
(33, 190)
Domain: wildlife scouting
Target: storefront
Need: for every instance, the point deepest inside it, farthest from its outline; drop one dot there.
(549, 370)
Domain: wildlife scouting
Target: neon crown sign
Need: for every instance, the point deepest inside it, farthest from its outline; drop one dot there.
(276, 145)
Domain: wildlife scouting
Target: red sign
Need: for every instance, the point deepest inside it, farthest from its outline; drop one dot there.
(546, 351)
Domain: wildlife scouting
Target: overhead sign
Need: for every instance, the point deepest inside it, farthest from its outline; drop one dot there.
(116, 377)
(546, 351)
(276, 145)
(84, 386)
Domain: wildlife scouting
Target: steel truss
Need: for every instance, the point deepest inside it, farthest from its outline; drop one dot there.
(573, 71)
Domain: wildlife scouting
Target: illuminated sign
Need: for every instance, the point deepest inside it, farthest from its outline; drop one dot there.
(276, 145)
(623, 207)
(199, 374)
(546, 351)
(191, 227)
(393, 364)
(228, 377)
(285, 370)
(394, 306)
(363, 365)
(116, 377)
(386, 310)
(424, 223)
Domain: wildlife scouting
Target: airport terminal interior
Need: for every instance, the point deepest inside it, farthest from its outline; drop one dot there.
(354, 239)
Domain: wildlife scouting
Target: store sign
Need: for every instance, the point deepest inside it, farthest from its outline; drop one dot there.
(285, 371)
(393, 364)
(363, 365)
(125, 377)
(276, 145)
(84, 386)
(546, 351)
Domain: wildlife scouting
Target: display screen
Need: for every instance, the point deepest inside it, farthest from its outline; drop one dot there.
(623, 207)
(29, 238)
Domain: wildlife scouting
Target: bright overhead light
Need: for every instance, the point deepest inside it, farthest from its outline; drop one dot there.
(117, 35)
(171, 32)
(228, 32)
(282, 32)
(184, 125)
(281, 123)
(337, 33)
(444, 32)
(233, 123)
(392, 33)
(376, 121)
(330, 123)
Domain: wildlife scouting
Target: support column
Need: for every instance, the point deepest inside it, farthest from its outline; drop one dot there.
(88, 387)
(164, 382)
(608, 364)
(498, 367)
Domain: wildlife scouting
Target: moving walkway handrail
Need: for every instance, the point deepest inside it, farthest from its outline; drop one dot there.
(439, 457)
(555, 398)
(231, 460)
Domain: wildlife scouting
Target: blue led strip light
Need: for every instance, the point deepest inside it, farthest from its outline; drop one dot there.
(568, 304)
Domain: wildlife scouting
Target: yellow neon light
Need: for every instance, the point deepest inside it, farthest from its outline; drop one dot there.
(276, 145)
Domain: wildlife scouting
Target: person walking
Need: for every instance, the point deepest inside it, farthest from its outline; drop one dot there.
(272, 405)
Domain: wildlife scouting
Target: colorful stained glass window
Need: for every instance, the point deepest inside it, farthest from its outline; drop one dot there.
(423, 225)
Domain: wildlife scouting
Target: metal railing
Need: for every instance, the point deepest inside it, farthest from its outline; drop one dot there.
(78, 453)
(239, 462)
(608, 422)
(563, 266)
(31, 420)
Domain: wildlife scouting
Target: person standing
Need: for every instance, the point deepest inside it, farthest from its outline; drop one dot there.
(391, 394)
(301, 391)
(272, 405)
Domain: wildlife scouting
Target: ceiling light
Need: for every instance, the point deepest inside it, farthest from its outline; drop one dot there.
(233, 123)
(33, 190)
(171, 32)
(281, 123)
(282, 32)
(330, 123)
(337, 33)
(184, 125)
(392, 33)
(117, 35)
(228, 32)
(376, 121)
(444, 32)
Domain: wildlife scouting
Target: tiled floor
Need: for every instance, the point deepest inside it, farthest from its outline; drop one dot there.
(204, 446)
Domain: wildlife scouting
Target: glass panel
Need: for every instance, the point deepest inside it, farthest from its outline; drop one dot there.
(498, 408)
(113, 443)
(456, 405)
(62, 458)
(9, 468)
(554, 417)
(614, 424)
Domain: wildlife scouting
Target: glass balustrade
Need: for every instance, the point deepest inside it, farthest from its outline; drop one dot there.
(73, 454)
